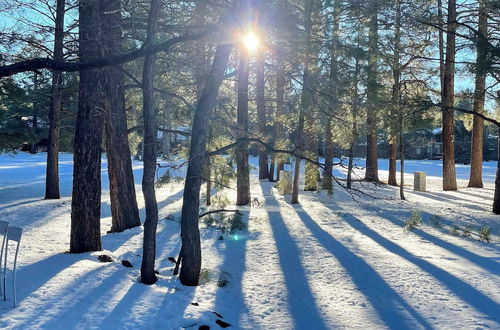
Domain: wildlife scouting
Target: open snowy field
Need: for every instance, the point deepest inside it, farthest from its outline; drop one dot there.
(338, 262)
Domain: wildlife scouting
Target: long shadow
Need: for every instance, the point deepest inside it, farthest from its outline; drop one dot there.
(97, 293)
(235, 253)
(386, 301)
(486, 263)
(463, 290)
(69, 301)
(471, 194)
(301, 301)
(25, 202)
(113, 241)
(37, 274)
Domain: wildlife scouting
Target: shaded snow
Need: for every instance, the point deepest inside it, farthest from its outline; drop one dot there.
(328, 263)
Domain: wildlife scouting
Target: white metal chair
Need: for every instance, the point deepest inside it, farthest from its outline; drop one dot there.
(13, 234)
(3, 231)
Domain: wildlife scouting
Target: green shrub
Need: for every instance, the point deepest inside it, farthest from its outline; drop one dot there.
(414, 221)
(485, 234)
(225, 223)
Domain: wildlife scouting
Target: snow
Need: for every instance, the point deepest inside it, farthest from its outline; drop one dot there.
(326, 263)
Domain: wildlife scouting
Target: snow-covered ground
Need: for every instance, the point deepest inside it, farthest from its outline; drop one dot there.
(327, 263)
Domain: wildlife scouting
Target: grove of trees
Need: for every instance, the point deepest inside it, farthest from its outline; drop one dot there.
(292, 81)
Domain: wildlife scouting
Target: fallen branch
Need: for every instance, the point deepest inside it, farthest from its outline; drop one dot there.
(219, 211)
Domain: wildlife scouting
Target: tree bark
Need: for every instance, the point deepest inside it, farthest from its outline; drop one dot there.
(261, 113)
(280, 102)
(242, 166)
(190, 234)
(208, 178)
(328, 170)
(148, 275)
(355, 102)
(476, 162)
(86, 196)
(396, 94)
(393, 156)
(334, 98)
(52, 171)
(448, 99)
(496, 198)
(372, 96)
(124, 210)
(306, 98)
(34, 128)
(441, 43)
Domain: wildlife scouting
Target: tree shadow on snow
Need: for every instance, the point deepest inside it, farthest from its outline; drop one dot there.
(461, 289)
(488, 264)
(392, 309)
(301, 301)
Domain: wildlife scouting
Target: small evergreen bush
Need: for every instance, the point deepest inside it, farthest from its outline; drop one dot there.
(414, 221)
(485, 234)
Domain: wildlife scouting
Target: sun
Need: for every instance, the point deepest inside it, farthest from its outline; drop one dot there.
(251, 41)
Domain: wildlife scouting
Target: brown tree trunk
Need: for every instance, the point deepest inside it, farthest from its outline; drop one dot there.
(393, 156)
(190, 234)
(86, 197)
(52, 172)
(476, 159)
(148, 275)
(354, 122)
(124, 210)
(34, 129)
(396, 93)
(496, 198)
(328, 170)
(242, 166)
(448, 99)
(334, 98)
(280, 101)
(261, 113)
(208, 178)
(306, 98)
(372, 96)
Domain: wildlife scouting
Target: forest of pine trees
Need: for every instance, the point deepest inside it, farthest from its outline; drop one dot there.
(290, 81)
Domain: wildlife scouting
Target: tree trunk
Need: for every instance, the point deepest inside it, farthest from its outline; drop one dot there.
(396, 95)
(372, 96)
(208, 178)
(242, 166)
(306, 98)
(354, 122)
(34, 128)
(280, 101)
(476, 162)
(393, 156)
(148, 275)
(261, 112)
(328, 170)
(448, 99)
(52, 172)
(124, 210)
(334, 97)
(496, 198)
(86, 196)
(401, 158)
(441, 43)
(190, 234)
